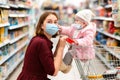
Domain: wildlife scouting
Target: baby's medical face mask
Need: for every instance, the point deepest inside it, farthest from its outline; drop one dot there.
(51, 29)
(77, 26)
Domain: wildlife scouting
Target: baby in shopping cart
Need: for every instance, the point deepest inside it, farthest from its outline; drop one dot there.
(82, 32)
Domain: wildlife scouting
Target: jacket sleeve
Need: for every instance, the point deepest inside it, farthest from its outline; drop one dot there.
(66, 30)
(46, 58)
(88, 37)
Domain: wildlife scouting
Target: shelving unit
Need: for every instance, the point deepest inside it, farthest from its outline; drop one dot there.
(108, 34)
(4, 24)
(12, 53)
(18, 15)
(14, 34)
(13, 67)
(107, 31)
(104, 18)
(18, 26)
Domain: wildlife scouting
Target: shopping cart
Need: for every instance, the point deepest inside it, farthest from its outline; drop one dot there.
(98, 69)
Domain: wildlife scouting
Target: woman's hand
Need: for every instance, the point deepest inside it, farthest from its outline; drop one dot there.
(62, 41)
(61, 44)
(59, 53)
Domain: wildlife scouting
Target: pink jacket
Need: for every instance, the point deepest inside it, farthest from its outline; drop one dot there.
(85, 37)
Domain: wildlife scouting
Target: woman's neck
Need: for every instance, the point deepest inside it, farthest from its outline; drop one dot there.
(48, 36)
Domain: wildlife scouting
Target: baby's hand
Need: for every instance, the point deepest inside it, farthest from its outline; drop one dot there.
(75, 42)
(60, 28)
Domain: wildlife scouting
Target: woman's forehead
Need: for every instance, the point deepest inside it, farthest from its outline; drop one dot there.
(51, 17)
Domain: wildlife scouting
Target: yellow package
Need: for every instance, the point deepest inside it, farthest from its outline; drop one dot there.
(2, 34)
(0, 17)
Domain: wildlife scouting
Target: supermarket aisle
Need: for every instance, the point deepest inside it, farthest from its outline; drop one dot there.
(16, 72)
(72, 75)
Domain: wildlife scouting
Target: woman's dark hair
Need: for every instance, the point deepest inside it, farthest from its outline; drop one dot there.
(39, 30)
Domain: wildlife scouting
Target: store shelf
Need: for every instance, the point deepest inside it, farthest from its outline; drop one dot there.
(13, 5)
(18, 38)
(12, 53)
(108, 34)
(108, 6)
(4, 6)
(4, 43)
(5, 24)
(23, 6)
(112, 52)
(109, 50)
(19, 6)
(13, 67)
(104, 18)
(103, 60)
(18, 15)
(18, 26)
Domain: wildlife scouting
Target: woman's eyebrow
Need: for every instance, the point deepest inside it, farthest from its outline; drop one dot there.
(52, 20)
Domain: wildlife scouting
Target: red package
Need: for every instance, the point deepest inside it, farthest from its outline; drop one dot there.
(69, 40)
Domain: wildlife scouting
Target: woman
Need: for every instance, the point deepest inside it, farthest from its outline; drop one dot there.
(39, 61)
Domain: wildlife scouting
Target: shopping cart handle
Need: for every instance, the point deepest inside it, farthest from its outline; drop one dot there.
(69, 40)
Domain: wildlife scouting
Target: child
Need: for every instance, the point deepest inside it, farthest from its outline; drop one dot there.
(83, 33)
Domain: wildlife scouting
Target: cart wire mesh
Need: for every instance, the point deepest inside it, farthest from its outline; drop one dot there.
(105, 66)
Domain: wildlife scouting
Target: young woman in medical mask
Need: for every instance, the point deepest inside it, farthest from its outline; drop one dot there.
(39, 60)
(83, 33)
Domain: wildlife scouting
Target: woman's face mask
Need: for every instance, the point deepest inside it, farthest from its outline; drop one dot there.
(77, 26)
(51, 29)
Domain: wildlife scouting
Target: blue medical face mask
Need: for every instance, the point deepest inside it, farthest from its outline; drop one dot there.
(51, 29)
(77, 26)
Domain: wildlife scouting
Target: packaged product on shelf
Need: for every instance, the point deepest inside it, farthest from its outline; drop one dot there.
(11, 35)
(20, 20)
(0, 17)
(0, 73)
(6, 16)
(4, 50)
(111, 28)
(118, 68)
(4, 69)
(117, 32)
(13, 21)
(114, 43)
(5, 33)
(1, 34)
(117, 49)
(1, 54)
(116, 12)
(111, 42)
(105, 25)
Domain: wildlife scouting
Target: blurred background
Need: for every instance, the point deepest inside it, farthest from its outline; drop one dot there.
(18, 20)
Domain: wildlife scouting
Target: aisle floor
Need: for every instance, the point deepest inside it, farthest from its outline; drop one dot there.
(72, 75)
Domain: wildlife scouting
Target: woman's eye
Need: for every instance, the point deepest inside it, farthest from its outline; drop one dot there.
(55, 22)
(49, 21)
